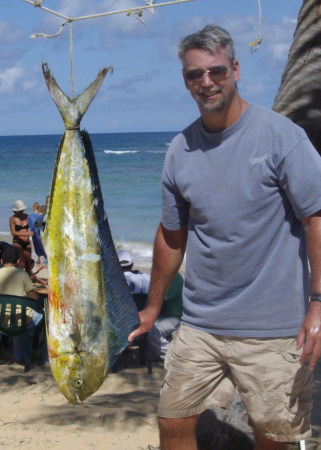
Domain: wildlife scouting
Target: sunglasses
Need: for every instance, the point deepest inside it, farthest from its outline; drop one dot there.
(216, 73)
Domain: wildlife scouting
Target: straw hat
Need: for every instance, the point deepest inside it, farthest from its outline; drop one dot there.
(18, 206)
(125, 258)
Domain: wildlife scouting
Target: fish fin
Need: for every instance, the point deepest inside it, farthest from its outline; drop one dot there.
(122, 312)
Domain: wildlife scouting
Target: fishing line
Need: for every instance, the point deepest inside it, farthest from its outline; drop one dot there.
(71, 61)
(256, 44)
(136, 11)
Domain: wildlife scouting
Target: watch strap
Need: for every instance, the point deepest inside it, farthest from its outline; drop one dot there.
(315, 298)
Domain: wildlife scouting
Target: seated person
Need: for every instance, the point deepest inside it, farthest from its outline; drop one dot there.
(3, 245)
(33, 274)
(172, 310)
(168, 320)
(15, 281)
(137, 281)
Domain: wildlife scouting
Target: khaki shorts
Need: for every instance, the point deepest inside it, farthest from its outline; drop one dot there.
(204, 369)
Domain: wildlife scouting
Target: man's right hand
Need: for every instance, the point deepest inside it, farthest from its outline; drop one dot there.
(147, 319)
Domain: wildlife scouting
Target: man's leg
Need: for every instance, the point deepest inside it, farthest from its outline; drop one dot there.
(178, 434)
(262, 443)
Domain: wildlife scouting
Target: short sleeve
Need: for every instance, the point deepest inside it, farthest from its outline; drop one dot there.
(175, 209)
(300, 178)
(28, 285)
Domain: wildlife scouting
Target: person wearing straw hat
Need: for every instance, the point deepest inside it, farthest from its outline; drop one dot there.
(137, 281)
(21, 233)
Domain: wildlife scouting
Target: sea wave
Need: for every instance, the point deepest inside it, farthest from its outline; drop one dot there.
(142, 252)
(124, 152)
(120, 152)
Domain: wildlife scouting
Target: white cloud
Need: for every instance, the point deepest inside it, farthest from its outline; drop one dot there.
(134, 80)
(10, 77)
(280, 51)
(9, 34)
(287, 20)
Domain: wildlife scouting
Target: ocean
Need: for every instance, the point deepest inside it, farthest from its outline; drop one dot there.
(129, 167)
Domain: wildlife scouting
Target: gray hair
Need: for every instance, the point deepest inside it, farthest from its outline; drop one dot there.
(209, 39)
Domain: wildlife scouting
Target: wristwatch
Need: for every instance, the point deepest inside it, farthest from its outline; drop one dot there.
(315, 298)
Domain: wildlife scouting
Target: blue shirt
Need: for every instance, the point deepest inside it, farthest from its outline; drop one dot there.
(242, 192)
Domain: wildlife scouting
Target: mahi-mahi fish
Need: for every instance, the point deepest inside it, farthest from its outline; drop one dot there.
(90, 309)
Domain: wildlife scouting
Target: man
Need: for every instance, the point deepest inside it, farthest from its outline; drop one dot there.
(170, 315)
(15, 281)
(239, 186)
(137, 281)
(168, 321)
(3, 245)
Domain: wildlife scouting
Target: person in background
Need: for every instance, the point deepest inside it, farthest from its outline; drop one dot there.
(242, 198)
(15, 281)
(33, 275)
(35, 220)
(21, 233)
(137, 281)
(168, 320)
(44, 211)
(3, 245)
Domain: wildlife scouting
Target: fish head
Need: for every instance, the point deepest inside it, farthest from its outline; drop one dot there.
(78, 375)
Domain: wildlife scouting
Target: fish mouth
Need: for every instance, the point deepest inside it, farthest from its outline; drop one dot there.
(69, 394)
(78, 375)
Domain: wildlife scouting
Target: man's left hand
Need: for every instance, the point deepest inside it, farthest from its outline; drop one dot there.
(310, 335)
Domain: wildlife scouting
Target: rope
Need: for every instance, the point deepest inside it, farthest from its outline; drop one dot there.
(137, 11)
(256, 44)
(71, 61)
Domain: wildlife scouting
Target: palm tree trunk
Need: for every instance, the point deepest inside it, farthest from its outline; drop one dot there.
(299, 95)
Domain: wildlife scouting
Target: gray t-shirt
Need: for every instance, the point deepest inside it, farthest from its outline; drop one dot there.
(242, 193)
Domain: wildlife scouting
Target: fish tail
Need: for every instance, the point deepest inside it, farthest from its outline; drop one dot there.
(72, 110)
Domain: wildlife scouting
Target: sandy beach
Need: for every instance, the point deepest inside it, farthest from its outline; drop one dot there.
(119, 416)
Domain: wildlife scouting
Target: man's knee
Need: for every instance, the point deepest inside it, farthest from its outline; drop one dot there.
(178, 433)
(178, 425)
(263, 443)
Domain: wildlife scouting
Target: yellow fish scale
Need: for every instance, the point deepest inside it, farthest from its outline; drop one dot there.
(73, 247)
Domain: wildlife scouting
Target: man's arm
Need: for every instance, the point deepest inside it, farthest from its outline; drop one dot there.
(32, 294)
(310, 333)
(169, 249)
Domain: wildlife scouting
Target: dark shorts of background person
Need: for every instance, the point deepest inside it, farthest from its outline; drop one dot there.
(204, 369)
(23, 244)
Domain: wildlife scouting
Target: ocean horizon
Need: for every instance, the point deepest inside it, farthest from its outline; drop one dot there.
(129, 168)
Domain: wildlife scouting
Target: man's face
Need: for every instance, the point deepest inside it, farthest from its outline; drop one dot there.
(211, 79)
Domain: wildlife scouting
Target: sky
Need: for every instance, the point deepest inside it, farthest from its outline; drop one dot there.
(145, 91)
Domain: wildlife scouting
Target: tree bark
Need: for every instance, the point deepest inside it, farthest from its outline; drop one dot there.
(299, 95)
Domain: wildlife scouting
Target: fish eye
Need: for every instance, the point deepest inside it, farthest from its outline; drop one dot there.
(78, 383)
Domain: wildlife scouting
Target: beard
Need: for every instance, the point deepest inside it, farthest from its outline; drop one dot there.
(212, 106)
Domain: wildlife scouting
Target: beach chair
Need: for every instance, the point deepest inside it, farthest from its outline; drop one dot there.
(14, 322)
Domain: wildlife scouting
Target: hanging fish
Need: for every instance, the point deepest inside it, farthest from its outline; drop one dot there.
(90, 309)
